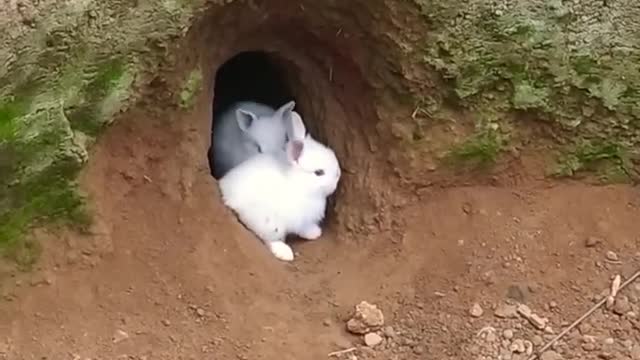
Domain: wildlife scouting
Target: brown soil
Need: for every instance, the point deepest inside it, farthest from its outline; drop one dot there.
(168, 265)
(167, 272)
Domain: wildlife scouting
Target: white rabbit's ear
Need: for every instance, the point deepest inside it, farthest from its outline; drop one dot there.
(245, 119)
(295, 127)
(294, 150)
(284, 112)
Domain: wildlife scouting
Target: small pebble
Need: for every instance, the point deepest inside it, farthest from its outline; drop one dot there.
(389, 332)
(517, 346)
(372, 340)
(508, 334)
(120, 336)
(476, 310)
(166, 322)
(611, 256)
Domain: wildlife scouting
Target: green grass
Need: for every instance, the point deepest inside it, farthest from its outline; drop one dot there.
(481, 149)
(609, 160)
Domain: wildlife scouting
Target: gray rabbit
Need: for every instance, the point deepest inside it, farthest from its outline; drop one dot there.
(246, 129)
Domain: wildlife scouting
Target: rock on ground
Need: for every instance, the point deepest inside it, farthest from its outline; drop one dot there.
(367, 318)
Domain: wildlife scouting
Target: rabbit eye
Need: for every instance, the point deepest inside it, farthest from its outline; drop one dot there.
(319, 172)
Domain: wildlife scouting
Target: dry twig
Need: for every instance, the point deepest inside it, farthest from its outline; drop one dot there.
(342, 352)
(614, 288)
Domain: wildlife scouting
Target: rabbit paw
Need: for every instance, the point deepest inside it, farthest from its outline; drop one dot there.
(311, 232)
(281, 251)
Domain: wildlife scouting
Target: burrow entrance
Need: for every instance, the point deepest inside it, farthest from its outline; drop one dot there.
(255, 76)
(289, 55)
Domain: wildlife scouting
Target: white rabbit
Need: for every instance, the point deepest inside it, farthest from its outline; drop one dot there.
(285, 192)
(246, 129)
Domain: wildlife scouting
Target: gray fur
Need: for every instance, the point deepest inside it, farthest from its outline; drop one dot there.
(246, 129)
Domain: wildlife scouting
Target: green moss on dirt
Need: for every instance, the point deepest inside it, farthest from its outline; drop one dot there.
(36, 174)
(14, 106)
(9, 111)
(558, 61)
(190, 89)
(610, 161)
(89, 61)
(49, 196)
(479, 150)
(552, 58)
(86, 116)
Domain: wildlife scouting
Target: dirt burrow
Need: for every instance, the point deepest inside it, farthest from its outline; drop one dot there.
(168, 273)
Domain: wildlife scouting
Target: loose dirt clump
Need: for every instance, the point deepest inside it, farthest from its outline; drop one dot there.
(367, 318)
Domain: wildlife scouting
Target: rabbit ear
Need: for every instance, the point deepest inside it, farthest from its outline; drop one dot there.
(245, 119)
(284, 112)
(295, 127)
(294, 150)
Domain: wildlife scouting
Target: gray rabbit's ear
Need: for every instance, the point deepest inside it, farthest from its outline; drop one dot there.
(245, 119)
(284, 112)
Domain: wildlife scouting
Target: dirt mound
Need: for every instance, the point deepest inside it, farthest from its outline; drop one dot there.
(169, 273)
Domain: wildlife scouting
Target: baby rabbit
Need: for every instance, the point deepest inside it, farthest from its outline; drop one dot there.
(246, 129)
(284, 192)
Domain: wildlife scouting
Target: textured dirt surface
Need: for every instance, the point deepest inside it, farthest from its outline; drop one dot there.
(168, 273)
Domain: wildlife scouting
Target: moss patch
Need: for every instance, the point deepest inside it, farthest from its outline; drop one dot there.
(190, 89)
(14, 106)
(610, 161)
(544, 58)
(49, 196)
(88, 61)
(481, 149)
(35, 184)
(86, 116)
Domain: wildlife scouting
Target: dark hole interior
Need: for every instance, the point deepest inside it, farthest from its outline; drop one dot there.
(250, 76)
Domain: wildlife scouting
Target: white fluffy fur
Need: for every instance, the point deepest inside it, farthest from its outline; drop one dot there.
(275, 195)
(246, 129)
